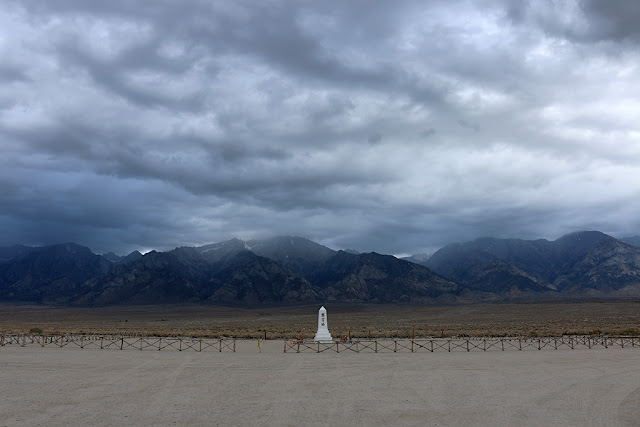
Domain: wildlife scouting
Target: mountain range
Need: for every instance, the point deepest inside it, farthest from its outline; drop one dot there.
(588, 263)
(293, 270)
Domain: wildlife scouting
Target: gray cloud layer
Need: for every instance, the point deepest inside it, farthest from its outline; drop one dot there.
(396, 128)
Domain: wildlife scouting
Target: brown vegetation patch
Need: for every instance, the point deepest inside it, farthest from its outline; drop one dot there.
(377, 321)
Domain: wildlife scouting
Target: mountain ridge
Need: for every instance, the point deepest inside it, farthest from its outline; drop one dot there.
(581, 263)
(291, 270)
(232, 272)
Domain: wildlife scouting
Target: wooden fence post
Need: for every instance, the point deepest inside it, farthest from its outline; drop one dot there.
(234, 345)
(375, 346)
(180, 344)
(467, 345)
(200, 345)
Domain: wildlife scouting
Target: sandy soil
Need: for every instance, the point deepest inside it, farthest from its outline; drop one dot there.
(73, 386)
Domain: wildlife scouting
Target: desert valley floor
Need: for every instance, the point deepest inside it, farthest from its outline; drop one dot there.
(73, 386)
(528, 319)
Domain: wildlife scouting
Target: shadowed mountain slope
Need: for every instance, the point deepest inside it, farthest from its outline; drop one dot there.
(185, 276)
(379, 278)
(52, 273)
(582, 263)
(299, 255)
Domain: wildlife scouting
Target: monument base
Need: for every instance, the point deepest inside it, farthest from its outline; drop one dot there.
(323, 338)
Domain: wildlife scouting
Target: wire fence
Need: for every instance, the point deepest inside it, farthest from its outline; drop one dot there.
(119, 342)
(432, 345)
(421, 345)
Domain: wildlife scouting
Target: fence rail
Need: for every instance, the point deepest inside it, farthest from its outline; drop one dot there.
(120, 342)
(432, 345)
(421, 345)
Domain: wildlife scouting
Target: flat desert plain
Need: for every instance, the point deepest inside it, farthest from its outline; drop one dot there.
(611, 317)
(73, 386)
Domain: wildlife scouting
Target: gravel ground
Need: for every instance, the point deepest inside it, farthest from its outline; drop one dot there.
(73, 386)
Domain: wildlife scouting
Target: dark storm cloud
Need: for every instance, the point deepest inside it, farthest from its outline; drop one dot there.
(10, 74)
(133, 125)
(586, 21)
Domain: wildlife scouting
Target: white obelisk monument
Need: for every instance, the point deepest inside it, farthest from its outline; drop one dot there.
(323, 334)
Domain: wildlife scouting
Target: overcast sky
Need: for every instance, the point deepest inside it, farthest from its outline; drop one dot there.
(394, 127)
